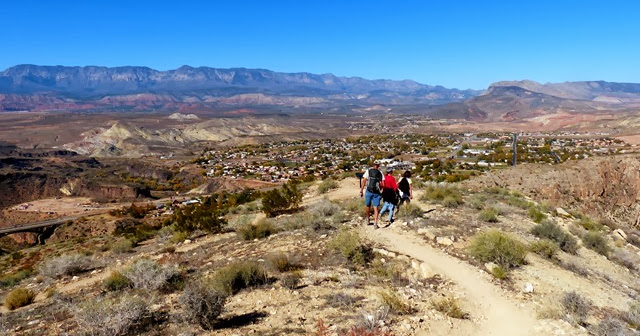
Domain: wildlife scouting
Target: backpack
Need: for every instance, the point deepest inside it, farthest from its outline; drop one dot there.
(373, 182)
(403, 185)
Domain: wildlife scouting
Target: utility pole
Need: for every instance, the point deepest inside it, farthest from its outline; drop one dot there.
(515, 149)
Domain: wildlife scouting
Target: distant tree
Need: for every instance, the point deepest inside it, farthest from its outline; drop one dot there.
(276, 201)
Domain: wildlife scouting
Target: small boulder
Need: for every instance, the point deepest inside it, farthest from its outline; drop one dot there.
(426, 271)
(619, 234)
(527, 288)
(490, 266)
(446, 241)
(562, 212)
(427, 234)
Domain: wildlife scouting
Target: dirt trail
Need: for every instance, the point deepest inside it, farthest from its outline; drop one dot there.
(500, 316)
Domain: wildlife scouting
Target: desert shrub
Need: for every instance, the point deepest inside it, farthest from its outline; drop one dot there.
(14, 278)
(291, 280)
(116, 281)
(389, 271)
(626, 259)
(149, 275)
(545, 248)
(443, 194)
(394, 302)
(576, 307)
(596, 241)
(499, 272)
(518, 201)
(168, 249)
(327, 185)
(536, 215)
(410, 211)
(202, 303)
(122, 245)
(349, 244)
(338, 300)
(241, 220)
(612, 326)
(137, 233)
(276, 201)
(632, 316)
(370, 328)
(324, 208)
(207, 217)
(68, 264)
(498, 247)
(575, 268)
(489, 215)
(477, 201)
(547, 229)
(589, 224)
(262, 229)
(450, 307)
(19, 297)
(280, 262)
(352, 204)
(235, 277)
(111, 316)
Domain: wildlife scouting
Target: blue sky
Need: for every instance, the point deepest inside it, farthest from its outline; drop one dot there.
(463, 44)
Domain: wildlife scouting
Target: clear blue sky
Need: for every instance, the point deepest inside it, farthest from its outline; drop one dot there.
(463, 44)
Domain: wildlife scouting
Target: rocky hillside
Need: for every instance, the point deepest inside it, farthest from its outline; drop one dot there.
(32, 87)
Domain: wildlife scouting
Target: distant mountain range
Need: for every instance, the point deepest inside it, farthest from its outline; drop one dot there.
(245, 91)
(32, 87)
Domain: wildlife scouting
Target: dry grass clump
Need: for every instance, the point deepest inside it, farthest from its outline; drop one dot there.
(349, 244)
(450, 306)
(262, 229)
(392, 300)
(19, 297)
(235, 277)
(149, 275)
(324, 208)
(116, 281)
(122, 245)
(588, 223)
(410, 211)
(499, 272)
(327, 185)
(596, 241)
(68, 264)
(489, 215)
(545, 248)
(291, 280)
(448, 196)
(576, 307)
(612, 326)
(14, 278)
(111, 316)
(626, 259)
(536, 215)
(547, 229)
(339, 300)
(281, 262)
(352, 204)
(203, 303)
(498, 247)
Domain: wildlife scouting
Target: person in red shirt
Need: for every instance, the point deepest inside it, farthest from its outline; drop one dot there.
(389, 194)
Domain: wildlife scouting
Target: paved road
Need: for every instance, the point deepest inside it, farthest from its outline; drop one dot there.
(36, 225)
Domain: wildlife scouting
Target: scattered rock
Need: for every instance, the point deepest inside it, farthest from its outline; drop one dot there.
(528, 288)
(427, 234)
(426, 271)
(619, 234)
(75, 278)
(446, 241)
(563, 212)
(187, 241)
(490, 266)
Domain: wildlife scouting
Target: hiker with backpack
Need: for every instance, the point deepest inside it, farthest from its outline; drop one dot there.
(405, 189)
(372, 179)
(389, 194)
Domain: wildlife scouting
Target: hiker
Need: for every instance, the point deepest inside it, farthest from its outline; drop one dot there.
(389, 194)
(372, 179)
(405, 189)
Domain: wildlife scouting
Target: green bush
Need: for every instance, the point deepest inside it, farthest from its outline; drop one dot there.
(262, 229)
(547, 229)
(235, 277)
(19, 297)
(489, 215)
(277, 201)
(536, 215)
(589, 224)
(326, 185)
(410, 211)
(13, 279)
(348, 243)
(498, 247)
(596, 241)
(442, 194)
(545, 248)
(280, 262)
(499, 273)
(206, 217)
(116, 281)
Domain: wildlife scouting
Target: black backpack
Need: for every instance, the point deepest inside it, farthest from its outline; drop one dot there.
(373, 182)
(403, 185)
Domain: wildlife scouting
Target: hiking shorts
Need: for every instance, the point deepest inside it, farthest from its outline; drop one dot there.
(371, 198)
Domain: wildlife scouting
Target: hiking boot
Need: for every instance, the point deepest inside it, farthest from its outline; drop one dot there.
(367, 222)
(375, 226)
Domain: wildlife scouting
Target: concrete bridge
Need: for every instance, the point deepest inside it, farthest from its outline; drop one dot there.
(44, 229)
